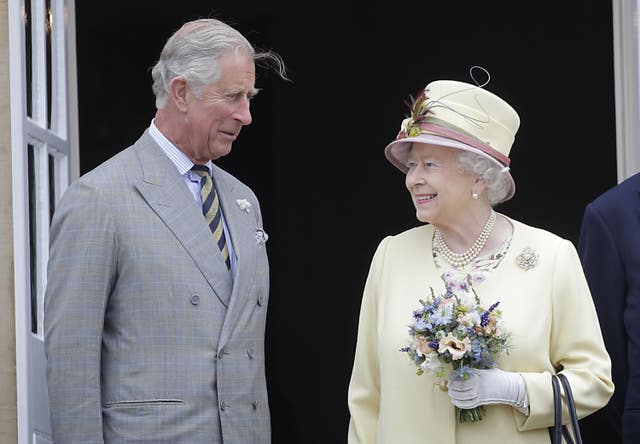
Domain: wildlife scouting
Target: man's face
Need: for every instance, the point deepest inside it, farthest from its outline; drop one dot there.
(214, 121)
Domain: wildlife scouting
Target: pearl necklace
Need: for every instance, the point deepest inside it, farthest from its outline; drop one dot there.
(459, 260)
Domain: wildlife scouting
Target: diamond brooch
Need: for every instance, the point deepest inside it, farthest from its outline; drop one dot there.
(527, 259)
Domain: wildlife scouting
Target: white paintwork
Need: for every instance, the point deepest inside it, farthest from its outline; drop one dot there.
(50, 145)
(626, 58)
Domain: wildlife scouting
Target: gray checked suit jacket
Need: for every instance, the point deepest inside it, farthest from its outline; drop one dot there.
(148, 339)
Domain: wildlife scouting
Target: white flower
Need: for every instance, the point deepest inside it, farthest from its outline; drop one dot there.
(421, 345)
(244, 204)
(469, 319)
(467, 298)
(431, 364)
(453, 345)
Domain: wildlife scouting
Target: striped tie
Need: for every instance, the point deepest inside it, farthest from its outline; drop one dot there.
(211, 210)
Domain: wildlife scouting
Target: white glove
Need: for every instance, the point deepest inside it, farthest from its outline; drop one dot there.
(491, 386)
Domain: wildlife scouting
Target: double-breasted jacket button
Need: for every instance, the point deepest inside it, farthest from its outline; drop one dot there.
(260, 301)
(221, 353)
(195, 299)
(223, 406)
(251, 352)
(255, 405)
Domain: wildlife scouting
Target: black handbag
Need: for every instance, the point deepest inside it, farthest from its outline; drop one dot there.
(558, 431)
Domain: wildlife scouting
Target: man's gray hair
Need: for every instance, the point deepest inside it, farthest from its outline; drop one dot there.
(193, 53)
(498, 184)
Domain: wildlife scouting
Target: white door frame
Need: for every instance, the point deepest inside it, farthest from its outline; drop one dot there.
(627, 90)
(44, 153)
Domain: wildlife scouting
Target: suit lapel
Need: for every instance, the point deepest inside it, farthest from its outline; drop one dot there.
(166, 193)
(241, 225)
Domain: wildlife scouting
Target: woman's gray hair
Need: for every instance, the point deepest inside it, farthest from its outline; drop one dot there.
(498, 184)
(193, 53)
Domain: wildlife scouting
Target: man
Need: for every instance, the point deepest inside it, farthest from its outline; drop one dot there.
(610, 251)
(158, 276)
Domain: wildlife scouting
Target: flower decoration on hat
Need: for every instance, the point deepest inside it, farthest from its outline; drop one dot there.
(419, 109)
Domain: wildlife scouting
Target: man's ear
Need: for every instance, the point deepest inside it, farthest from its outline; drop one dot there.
(179, 92)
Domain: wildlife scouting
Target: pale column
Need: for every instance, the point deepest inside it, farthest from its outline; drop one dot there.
(8, 413)
(627, 86)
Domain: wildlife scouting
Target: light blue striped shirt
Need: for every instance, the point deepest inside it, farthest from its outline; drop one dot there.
(192, 180)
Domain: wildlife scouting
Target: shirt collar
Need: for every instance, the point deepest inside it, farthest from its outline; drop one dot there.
(175, 154)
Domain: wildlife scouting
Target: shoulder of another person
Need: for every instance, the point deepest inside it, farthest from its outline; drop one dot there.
(617, 195)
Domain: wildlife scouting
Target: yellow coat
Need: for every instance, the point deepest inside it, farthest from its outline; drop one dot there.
(548, 310)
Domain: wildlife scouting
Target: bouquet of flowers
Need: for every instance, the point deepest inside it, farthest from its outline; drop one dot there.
(455, 333)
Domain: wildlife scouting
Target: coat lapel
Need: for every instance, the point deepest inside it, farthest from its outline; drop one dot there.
(241, 225)
(165, 191)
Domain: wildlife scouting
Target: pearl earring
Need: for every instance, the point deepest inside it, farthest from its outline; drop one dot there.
(474, 195)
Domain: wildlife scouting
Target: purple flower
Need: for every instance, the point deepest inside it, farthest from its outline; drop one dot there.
(479, 350)
(484, 317)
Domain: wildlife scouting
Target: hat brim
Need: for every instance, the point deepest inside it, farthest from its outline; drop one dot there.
(397, 153)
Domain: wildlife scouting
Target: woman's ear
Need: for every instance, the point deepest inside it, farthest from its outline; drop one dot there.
(179, 92)
(479, 185)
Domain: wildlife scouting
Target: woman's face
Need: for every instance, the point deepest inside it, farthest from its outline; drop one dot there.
(440, 188)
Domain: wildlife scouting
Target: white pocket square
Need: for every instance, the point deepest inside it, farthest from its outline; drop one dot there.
(261, 236)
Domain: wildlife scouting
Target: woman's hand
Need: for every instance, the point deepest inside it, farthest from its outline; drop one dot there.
(491, 386)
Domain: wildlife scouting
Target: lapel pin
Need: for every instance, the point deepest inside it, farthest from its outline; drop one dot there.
(243, 204)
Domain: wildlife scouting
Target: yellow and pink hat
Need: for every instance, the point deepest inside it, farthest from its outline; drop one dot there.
(462, 116)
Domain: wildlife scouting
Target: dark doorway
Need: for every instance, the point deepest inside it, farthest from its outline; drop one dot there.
(314, 152)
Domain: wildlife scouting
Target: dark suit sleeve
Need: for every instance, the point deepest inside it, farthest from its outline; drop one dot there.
(604, 270)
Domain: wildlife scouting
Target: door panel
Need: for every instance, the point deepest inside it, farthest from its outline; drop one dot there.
(41, 122)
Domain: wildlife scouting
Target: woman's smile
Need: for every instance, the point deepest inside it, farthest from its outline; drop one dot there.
(424, 198)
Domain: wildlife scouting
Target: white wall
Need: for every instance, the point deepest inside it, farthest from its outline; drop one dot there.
(8, 414)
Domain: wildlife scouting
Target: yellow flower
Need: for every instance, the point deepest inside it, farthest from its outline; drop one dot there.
(409, 128)
(456, 347)
(414, 130)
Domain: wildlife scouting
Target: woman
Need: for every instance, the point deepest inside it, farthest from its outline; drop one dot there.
(454, 150)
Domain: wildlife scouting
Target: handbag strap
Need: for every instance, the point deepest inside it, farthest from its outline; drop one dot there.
(567, 435)
(572, 408)
(556, 430)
